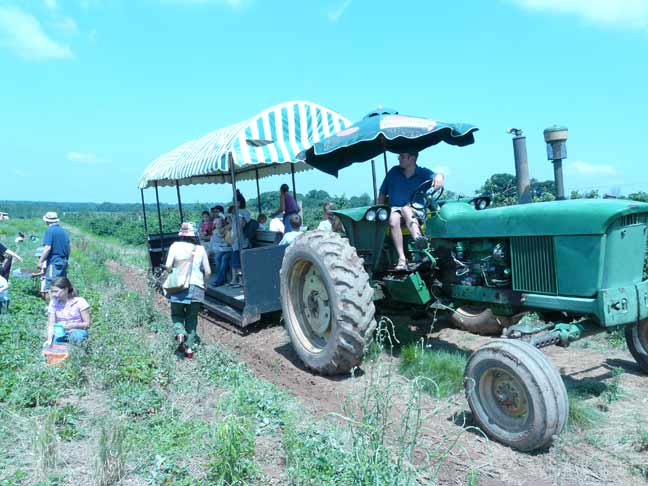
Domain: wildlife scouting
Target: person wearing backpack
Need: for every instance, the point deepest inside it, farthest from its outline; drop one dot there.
(239, 241)
(188, 259)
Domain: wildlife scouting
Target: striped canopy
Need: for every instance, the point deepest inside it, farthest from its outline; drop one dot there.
(264, 145)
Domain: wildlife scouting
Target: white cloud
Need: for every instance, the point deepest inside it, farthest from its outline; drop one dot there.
(442, 169)
(624, 13)
(585, 168)
(19, 173)
(337, 12)
(23, 34)
(51, 4)
(85, 158)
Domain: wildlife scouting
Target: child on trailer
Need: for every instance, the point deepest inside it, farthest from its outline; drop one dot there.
(68, 315)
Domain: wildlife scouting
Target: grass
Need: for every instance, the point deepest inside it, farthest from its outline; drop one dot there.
(139, 414)
(443, 369)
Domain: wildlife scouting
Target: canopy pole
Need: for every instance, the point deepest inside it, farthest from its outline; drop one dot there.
(236, 213)
(373, 176)
(157, 202)
(292, 173)
(144, 213)
(256, 172)
(179, 203)
(385, 160)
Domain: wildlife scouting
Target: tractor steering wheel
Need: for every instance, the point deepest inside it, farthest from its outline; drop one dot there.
(426, 196)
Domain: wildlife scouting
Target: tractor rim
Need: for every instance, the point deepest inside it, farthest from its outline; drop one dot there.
(312, 306)
(505, 398)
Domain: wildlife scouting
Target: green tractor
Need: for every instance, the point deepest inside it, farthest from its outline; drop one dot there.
(577, 264)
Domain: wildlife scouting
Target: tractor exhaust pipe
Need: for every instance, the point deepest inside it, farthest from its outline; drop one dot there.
(521, 166)
(556, 138)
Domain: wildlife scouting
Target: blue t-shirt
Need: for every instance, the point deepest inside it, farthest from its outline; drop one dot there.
(58, 239)
(400, 188)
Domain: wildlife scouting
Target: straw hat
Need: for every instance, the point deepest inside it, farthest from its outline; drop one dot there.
(187, 229)
(51, 217)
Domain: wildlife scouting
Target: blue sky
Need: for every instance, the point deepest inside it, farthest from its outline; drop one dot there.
(92, 90)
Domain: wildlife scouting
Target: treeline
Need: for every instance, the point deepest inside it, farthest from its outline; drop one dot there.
(125, 222)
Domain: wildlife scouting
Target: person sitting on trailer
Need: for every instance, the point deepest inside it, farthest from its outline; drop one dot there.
(220, 252)
(330, 222)
(206, 226)
(218, 212)
(262, 219)
(290, 236)
(276, 225)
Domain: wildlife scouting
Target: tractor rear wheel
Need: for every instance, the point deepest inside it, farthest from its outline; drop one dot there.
(480, 320)
(516, 395)
(327, 302)
(637, 339)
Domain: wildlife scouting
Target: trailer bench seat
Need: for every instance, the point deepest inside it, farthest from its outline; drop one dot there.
(266, 238)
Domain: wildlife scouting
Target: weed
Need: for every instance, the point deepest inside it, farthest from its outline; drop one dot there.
(444, 369)
(472, 479)
(613, 390)
(582, 415)
(67, 422)
(109, 467)
(137, 400)
(231, 460)
(376, 444)
(641, 441)
(45, 446)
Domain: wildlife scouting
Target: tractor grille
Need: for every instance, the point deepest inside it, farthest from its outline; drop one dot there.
(533, 264)
(636, 218)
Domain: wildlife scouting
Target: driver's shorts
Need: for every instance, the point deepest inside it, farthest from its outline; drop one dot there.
(418, 213)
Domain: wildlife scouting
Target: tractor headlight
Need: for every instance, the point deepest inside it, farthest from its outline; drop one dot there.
(383, 214)
(371, 215)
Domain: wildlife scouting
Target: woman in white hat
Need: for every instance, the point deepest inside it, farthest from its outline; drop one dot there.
(187, 253)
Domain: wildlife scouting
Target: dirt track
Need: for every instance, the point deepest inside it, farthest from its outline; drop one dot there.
(607, 454)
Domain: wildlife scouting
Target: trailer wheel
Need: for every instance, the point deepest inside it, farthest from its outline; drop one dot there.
(516, 395)
(637, 339)
(480, 320)
(327, 302)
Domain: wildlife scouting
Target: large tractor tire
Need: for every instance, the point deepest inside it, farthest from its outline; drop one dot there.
(516, 395)
(327, 302)
(480, 320)
(637, 340)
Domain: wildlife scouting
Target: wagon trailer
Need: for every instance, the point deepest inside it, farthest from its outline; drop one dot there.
(262, 146)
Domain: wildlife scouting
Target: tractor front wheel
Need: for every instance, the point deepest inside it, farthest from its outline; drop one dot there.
(516, 395)
(327, 302)
(637, 339)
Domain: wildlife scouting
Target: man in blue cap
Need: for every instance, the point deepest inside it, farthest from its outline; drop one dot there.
(399, 184)
(56, 250)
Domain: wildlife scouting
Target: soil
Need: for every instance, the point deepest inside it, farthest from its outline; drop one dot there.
(610, 453)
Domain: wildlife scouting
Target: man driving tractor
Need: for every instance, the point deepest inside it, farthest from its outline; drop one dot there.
(396, 190)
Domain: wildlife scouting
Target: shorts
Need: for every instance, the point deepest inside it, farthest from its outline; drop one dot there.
(54, 270)
(418, 213)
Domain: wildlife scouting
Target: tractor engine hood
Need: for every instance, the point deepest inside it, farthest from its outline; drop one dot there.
(571, 217)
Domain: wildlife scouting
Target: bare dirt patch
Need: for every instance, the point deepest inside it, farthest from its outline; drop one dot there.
(608, 454)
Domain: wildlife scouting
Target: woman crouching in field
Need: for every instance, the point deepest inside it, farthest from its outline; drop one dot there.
(189, 254)
(68, 310)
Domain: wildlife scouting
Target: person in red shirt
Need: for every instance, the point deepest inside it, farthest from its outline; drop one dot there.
(206, 227)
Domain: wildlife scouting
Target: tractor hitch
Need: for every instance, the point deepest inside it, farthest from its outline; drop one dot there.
(564, 334)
